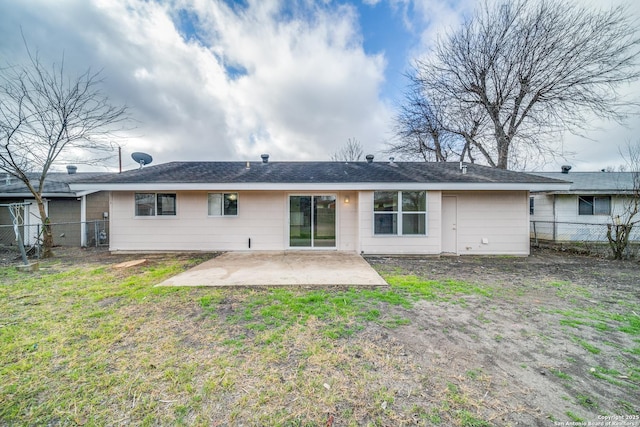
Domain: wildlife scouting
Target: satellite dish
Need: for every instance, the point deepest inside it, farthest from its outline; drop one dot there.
(142, 158)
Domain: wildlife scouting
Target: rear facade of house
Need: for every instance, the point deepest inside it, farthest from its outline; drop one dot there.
(369, 208)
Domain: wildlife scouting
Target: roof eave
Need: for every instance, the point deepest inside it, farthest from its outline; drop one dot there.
(30, 195)
(362, 186)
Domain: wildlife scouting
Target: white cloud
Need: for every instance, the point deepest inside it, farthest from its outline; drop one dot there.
(294, 83)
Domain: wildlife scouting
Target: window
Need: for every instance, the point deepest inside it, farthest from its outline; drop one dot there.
(223, 204)
(531, 205)
(409, 217)
(592, 205)
(155, 204)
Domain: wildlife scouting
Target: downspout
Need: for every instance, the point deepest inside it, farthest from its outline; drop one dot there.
(83, 221)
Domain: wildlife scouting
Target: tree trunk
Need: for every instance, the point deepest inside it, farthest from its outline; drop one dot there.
(47, 235)
(618, 240)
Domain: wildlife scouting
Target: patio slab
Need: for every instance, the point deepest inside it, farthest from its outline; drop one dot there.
(280, 268)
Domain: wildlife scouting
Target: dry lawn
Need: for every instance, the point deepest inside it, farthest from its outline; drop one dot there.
(544, 340)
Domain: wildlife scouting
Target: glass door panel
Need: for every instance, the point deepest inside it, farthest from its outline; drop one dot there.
(324, 221)
(300, 221)
(312, 221)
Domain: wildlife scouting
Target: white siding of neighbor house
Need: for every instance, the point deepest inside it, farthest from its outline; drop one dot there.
(544, 216)
(492, 222)
(262, 217)
(574, 227)
(429, 244)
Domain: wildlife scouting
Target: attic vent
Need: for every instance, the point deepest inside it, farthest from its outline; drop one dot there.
(369, 158)
(566, 168)
(265, 158)
(71, 169)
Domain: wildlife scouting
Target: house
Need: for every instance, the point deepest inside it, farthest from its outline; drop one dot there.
(366, 207)
(581, 212)
(69, 210)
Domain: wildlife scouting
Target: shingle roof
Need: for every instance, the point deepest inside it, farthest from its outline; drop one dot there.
(315, 172)
(612, 182)
(55, 183)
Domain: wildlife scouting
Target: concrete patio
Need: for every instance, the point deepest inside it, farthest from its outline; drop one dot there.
(280, 268)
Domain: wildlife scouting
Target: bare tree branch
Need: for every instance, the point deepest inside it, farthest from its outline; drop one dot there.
(521, 73)
(46, 116)
(352, 151)
(623, 221)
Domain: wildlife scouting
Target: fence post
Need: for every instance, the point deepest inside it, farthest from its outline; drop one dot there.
(37, 241)
(535, 233)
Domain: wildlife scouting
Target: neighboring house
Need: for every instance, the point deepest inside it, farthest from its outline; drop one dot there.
(69, 210)
(581, 212)
(365, 207)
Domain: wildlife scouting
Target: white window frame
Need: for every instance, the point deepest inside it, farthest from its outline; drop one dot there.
(399, 213)
(222, 198)
(155, 205)
(593, 205)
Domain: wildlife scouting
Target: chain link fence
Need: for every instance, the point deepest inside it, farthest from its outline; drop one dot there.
(587, 238)
(64, 234)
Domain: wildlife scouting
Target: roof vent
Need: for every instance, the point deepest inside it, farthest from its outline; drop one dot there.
(265, 158)
(369, 158)
(566, 168)
(71, 169)
(391, 159)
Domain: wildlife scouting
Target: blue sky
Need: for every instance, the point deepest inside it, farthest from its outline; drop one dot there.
(224, 80)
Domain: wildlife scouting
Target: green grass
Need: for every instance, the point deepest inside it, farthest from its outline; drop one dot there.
(82, 344)
(562, 375)
(573, 417)
(91, 345)
(433, 290)
(586, 345)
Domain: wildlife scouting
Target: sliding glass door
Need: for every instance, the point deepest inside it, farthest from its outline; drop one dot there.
(312, 221)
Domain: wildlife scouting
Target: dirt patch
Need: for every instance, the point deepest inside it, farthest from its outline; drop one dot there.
(547, 340)
(554, 340)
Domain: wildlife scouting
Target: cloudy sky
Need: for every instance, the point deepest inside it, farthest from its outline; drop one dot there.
(225, 80)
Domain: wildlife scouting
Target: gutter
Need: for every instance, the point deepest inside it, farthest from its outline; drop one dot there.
(252, 186)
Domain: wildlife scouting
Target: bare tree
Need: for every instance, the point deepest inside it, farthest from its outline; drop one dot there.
(45, 115)
(518, 74)
(351, 151)
(623, 221)
(420, 130)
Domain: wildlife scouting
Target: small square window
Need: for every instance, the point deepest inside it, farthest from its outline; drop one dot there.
(166, 204)
(223, 204)
(145, 204)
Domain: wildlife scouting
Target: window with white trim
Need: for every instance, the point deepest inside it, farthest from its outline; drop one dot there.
(222, 204)
(155, 204)
(594, 205)
(400, 213)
